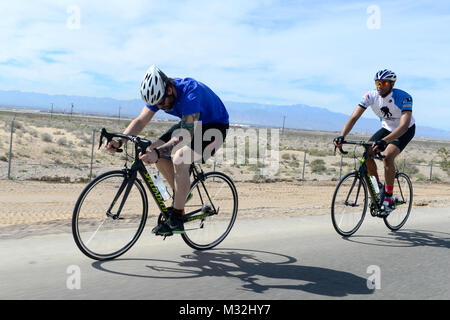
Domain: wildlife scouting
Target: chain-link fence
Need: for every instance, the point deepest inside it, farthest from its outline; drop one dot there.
(67, 150)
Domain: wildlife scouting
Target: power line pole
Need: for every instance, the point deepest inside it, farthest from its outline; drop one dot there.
(10, 147)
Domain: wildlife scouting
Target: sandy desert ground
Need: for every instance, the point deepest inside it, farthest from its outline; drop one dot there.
(57, 149)
(34, 208)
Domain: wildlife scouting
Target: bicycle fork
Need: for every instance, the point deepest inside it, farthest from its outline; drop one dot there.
(354, 204)
(127, 184)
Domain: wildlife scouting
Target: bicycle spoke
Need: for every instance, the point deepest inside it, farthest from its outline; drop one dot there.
(93, 235)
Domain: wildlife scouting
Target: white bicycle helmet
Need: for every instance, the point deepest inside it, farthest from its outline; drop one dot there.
(386, 75)
(153, 86)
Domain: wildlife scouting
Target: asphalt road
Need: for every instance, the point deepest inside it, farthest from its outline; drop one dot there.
(292, 258)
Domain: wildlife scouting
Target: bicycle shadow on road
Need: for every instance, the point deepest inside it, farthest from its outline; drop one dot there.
(406, 238)
(258, 271)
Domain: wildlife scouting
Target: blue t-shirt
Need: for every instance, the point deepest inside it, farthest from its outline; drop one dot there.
(195, 97)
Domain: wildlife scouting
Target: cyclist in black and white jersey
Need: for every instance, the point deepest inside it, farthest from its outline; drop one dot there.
(394, 107)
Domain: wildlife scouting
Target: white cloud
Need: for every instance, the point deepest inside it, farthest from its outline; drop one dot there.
(261, 51)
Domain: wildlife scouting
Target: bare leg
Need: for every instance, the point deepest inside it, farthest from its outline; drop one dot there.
(391, 152)
(372, 167)
(181, 164)
(165, 166)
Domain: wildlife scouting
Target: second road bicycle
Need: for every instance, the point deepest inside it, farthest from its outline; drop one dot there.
(356, 192)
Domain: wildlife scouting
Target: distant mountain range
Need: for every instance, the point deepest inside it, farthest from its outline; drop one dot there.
(295, 116)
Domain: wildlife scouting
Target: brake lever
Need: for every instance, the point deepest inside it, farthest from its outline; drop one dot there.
(340, 150)
(104, 133)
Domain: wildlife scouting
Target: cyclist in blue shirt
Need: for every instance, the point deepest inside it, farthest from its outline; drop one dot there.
(200, 110)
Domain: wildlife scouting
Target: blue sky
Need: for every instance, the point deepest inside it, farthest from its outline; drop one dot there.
(320, 53)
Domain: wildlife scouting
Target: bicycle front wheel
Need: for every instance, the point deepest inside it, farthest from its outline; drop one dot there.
(97, 230)
(349, 204)
(403, 198)
(214, 201)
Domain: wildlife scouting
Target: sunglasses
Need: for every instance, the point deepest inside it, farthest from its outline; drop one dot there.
(162, 101)
(382, 83)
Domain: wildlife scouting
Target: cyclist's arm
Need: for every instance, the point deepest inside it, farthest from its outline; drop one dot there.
(359, 110)
(134, 128)
(188, 123)
(405, 120)
(139, 123)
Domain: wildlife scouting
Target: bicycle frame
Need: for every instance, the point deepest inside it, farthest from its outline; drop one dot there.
(138, 166)
(363, 172)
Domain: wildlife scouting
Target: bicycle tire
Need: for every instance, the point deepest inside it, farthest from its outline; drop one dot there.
(84, 222)
(199, 234)
(338, 218)
(398, 213)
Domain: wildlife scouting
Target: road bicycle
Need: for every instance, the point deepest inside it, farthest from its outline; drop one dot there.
(351, 197)
(111, 212)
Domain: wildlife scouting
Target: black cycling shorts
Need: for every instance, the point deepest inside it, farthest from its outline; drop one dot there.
(401, 142)
(210, 142)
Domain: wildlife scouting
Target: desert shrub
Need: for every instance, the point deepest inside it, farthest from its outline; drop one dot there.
(62, 141)
(46, 137)
(33, 133)
(318, 153)
(421, 177)
(444, 162)
(18, 125)
(436, 178)
(294, 164)
(318, 166)
(410, 169)
(51, 150)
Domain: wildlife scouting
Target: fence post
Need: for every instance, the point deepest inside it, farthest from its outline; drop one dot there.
(10, 148)
(92, 153)
(431, 170)
(304, 163)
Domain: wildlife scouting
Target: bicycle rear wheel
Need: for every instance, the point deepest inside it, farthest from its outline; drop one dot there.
(403, 196)
(215, 201)
(98, 233)
(349, 204)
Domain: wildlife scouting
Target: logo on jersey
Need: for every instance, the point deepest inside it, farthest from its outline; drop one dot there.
(386, 112)
(407, 103)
